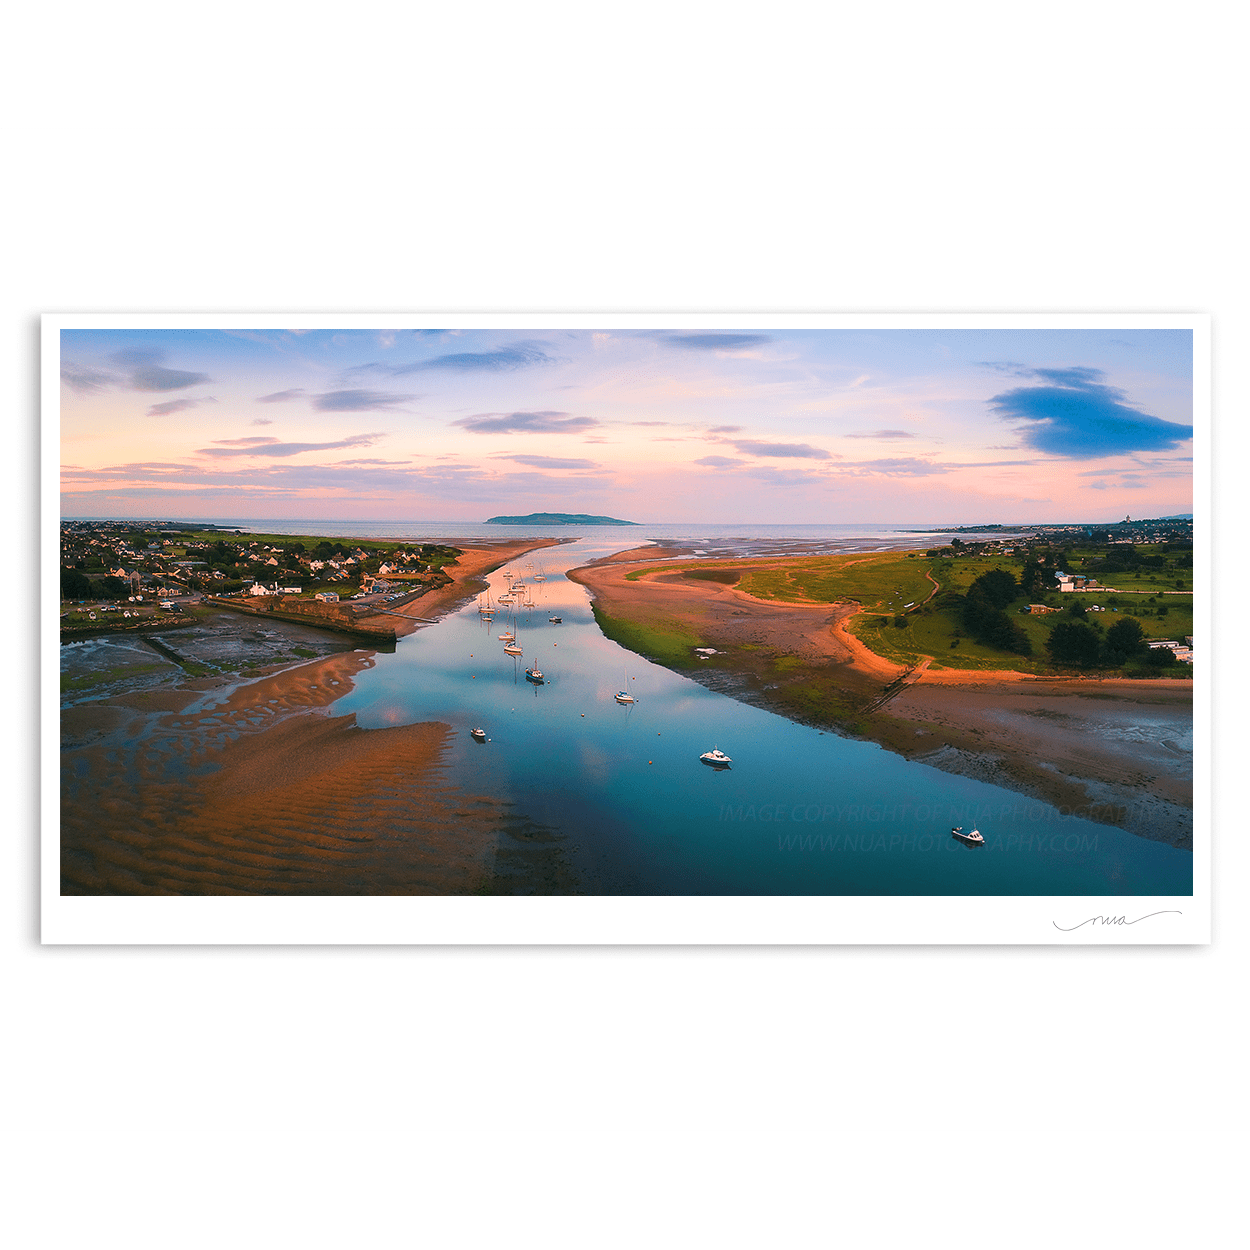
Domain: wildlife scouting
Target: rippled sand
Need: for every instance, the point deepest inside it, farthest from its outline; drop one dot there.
(263, 792)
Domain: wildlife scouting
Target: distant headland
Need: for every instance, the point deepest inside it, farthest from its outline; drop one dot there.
(556, 518)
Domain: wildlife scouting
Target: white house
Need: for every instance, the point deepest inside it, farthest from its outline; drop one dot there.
(327, 596)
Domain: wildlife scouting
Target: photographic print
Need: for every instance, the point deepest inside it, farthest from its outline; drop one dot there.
(671, 628)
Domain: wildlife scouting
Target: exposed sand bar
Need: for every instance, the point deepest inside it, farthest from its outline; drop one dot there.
(253, 787)
(1118, 750)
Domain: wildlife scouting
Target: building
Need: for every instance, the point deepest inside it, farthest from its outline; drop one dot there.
(1039, 609)
(327, 596)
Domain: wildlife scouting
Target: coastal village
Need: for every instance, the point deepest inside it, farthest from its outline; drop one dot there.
(143, 569)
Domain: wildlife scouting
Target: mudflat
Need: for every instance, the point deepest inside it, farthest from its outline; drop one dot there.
(1119, 751)
(226, 786)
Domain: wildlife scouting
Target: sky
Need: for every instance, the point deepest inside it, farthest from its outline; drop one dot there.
(802, 426)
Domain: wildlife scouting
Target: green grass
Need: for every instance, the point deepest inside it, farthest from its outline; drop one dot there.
(73, 685)
(884, 582)
(672, 645)
(881, 582)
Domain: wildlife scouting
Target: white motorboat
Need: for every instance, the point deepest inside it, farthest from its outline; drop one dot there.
(479, 734)
(513, 648)
(555, 620)
(716, 757)
(623, 696)
(973, 838)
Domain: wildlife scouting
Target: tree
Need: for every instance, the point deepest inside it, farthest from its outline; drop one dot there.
(1074, 642)
(991, 625)
(1038, 577)
(1126, 635)
(1125, 640)
(998, 586)
(74, 585)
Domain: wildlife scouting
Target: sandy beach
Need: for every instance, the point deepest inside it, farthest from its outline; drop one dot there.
(1120, 751)
(208, 786)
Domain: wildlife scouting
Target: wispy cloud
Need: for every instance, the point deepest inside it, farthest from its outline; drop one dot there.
(802, 451)
(770, 475)
(359, 401)
(170, 406)
(273, 447)
(543, 422)
(899, 467)
(1073, 414)
(720, 462)
(262, 421)
(714, 342)
(147, 374)
(498, 360)
(725, 429)
(85, 380)
(550, 462)
(883, 434)
(281, 397)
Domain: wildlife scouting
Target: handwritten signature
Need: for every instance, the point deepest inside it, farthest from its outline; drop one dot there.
(1116, 919)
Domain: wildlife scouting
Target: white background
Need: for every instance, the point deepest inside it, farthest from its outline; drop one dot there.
(911, 157)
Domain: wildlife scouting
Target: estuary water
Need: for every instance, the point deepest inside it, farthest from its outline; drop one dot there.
(622, 789)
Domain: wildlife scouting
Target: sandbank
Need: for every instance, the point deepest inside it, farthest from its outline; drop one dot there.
(1119, 750)
(254, 787)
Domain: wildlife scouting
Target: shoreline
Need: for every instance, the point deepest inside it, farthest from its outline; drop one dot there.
(250, 785)
(1069, 741)
(475, 562)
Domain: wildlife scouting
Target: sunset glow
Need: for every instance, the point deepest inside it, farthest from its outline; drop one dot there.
(803, 426)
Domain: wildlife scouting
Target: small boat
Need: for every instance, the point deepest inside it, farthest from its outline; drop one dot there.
(973, 838)
(535, 675)
(540, 577)
(556, 620)
(508, 637)
(716, 758)
(623, 696)
(478, 734)
(512, 649)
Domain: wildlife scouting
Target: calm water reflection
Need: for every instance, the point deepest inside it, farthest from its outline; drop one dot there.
(800, 811)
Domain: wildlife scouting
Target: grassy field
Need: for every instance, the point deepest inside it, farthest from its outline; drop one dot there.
(885, 582)
(882, 582)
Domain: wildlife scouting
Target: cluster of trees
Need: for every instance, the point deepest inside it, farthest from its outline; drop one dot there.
(1086, 645)
(1038, 576)
(75, 584)
(983, 617)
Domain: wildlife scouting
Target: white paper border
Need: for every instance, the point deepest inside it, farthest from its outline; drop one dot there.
(616, 920)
